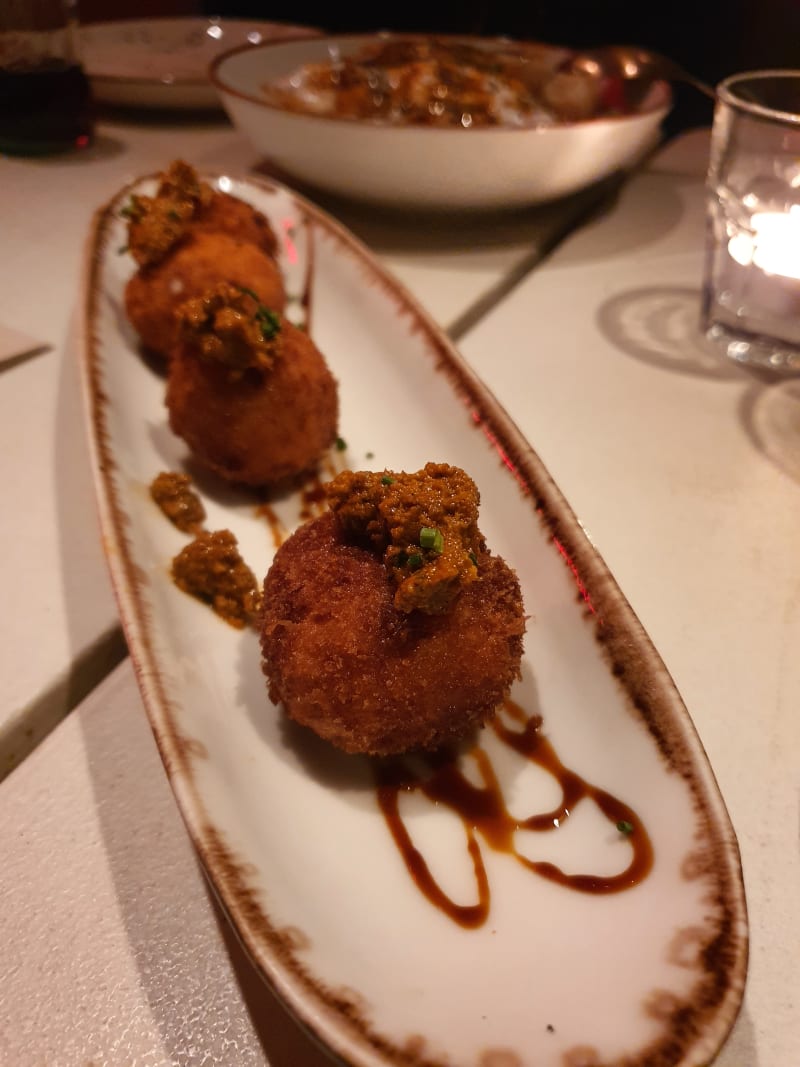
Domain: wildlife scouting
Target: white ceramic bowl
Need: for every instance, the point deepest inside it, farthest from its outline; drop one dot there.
(423, 166)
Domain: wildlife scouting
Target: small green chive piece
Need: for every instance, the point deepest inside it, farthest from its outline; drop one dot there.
(370, 455)
(122, 250)
(473, 559)
(415, 561)
(430, 537)
(386, 480)
(269, 321)
(625, 827)
(341, 444)
(427, 536)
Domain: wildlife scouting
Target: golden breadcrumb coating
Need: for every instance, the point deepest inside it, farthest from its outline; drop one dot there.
(153, 295)
(371, 677)
(259, 420)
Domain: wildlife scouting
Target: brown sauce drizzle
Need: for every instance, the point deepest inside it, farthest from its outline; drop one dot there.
(278, 530)
(482, 810)
(312, 499)
(230, 587)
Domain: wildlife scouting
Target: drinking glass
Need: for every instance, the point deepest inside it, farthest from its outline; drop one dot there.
(45, 99)
(751, 285)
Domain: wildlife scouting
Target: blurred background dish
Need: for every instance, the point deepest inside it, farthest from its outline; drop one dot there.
(360, 131)
(163, 62)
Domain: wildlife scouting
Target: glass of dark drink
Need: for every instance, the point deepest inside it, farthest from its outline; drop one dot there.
(45, 98)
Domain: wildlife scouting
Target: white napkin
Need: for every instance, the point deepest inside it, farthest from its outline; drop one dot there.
(15, 345)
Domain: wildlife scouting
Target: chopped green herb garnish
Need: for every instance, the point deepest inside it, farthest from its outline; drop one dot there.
(122, 250)
(370, 455)
(430, 537)
(341, 444)
(386, 480)
(625, 827)
(473, 559)
(131, 210)
(269, 321)
(415, 561)
(173, 214)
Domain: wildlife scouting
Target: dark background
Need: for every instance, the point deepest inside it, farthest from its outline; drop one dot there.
(710, 38)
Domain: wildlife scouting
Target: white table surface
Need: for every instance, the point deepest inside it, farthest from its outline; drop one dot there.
(114, 952)
(59, 632)
(685, 472)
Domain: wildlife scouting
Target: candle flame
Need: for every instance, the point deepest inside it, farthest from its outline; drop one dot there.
(773, 244)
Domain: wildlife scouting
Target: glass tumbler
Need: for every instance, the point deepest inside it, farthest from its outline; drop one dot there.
(751, 284)
(45, 98)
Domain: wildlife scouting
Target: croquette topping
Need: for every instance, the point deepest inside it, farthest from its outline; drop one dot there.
(211, 569)
(174, 495)
(228, 325)
(180, 182)
(157, 223)
(425, 526)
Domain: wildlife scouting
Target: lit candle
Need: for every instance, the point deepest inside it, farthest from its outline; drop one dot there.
(773, 244)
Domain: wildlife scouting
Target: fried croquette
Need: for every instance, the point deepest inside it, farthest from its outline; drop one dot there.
(228, 214)
(183, 205)
(154, 293)
(373, 676)
(249, 392)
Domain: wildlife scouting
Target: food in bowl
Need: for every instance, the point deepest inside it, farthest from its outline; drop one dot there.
(388, 626)
(423, 165)
(435, 82)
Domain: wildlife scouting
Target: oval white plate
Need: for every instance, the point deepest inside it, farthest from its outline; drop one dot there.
(163, 62)
(290, 830)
